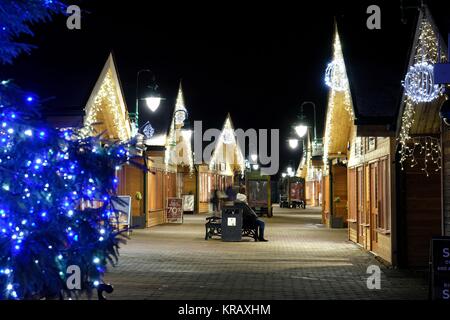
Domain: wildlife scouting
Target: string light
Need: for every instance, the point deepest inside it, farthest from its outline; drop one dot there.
(337, 99)
(335, 74)
(178, 143)
(108, 96)
(50, 181)
(424, 151)
(419, 83)
(227, 149)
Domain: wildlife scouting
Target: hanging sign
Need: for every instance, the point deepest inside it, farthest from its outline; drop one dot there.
(440, 268)
(174, 210)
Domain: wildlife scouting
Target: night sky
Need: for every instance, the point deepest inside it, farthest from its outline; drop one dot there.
(258, 61)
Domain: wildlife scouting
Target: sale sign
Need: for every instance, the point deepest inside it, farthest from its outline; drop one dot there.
(440, 268)
(174, 210)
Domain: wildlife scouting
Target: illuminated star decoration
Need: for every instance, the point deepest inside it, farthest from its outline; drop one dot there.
(148, 131)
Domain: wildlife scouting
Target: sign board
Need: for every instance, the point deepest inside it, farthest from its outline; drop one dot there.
(188, 203)
(442, 73)
(122, 207)
(174, 210)
(440, 268)
(231, 222)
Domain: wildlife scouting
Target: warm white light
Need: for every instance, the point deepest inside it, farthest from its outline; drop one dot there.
(293, 143)
(254, 157)
(284, 175)
(289, 170)
(301, 130)
(255, 167)
(153, 103)
(187, 134)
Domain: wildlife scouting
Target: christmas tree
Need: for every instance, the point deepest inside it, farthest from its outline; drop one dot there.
(15, 20)
(57, 188)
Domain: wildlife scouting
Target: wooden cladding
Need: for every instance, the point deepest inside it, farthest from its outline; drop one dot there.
(131, 181)
(352, 204)
(420, 215)
(155, 190)
(369, 205)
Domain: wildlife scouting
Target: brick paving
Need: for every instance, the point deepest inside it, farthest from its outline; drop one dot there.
(302, 260)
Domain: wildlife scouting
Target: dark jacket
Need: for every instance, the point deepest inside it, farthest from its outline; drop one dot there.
(249, 216)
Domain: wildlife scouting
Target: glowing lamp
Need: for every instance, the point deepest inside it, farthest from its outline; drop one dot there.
(153, 103)
(293, 143)
(301, 130)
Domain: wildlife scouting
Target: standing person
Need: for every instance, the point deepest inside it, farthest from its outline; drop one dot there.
(231, 194)
(215, 200)
(249, 216)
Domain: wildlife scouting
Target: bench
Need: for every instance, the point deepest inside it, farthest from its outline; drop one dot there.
(213, 227)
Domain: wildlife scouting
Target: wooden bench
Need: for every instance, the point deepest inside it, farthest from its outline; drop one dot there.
(213, 227)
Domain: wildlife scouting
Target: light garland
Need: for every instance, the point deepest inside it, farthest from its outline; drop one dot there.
(419, 88)
(419, 83)
(227, 138)
(335, 74)
(107, 95)
(334, 94)
(179, 144)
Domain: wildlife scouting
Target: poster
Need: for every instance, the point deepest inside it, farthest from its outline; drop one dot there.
(122, 207)
(440, 268)
(174, 210)
(188, 203)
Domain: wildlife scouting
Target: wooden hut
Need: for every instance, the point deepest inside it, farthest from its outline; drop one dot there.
(310, 169)
(419, 179)
(338, 135)
(225, 166)
(106, 112)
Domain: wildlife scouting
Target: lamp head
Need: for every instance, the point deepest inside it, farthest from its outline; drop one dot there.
(293, 143)
(301, 130)
(153, 102)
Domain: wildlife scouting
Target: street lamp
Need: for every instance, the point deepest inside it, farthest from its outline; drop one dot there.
(254, 157)
(302, 128)
(153, 99)
(293, 143)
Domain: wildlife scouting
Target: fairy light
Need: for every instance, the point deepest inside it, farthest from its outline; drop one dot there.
(227, 141)
(339, 97)
(178, 143)
(424, 151)
(107, 95)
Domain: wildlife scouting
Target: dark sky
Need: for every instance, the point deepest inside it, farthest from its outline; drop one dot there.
(258, 61)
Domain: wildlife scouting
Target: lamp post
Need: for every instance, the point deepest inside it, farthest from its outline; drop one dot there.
(153, 100)
(302, 128)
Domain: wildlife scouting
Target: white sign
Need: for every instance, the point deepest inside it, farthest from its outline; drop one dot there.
(231, 222)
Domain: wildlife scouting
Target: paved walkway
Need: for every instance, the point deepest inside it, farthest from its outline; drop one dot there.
(302, 260)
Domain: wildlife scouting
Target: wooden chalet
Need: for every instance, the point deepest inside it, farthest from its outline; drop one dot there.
(310, 169)
(421, 183)
(226, 165)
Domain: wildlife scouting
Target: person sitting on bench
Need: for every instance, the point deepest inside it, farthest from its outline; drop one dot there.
(248, 215)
